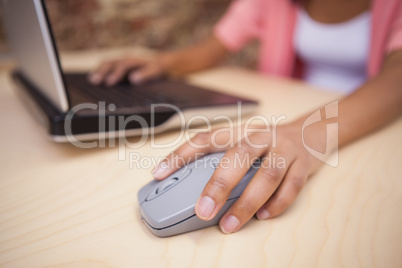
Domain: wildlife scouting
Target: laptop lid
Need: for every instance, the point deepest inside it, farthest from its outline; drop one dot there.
(29, 37)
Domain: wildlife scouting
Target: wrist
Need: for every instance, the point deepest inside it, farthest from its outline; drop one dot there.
(168, 62)
(318, 139)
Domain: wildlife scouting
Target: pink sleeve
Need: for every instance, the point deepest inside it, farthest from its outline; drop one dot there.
(395, 40)
(240, 23)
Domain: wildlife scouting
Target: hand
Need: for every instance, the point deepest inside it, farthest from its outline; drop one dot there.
(175, 63)
(137, 70)
(273, 188)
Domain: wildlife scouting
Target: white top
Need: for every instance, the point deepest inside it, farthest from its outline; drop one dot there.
(335, 56)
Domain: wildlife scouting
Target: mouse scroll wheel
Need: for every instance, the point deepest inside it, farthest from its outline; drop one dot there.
(166, 185)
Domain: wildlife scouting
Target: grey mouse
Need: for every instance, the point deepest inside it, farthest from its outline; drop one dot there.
(167, 206)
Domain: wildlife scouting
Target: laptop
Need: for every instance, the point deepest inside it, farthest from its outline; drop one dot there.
(73, 109)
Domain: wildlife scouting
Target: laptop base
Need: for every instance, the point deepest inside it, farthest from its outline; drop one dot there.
(97, 124)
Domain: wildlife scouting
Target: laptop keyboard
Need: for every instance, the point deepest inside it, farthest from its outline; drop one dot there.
(140, 97)
(123, 95)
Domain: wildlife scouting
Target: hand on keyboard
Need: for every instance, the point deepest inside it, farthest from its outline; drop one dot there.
(129, 69)
(175, 63)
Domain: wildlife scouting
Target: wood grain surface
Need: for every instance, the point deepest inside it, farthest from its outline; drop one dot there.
(62, 206)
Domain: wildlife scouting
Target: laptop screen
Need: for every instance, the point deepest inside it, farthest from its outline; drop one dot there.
(29, 36)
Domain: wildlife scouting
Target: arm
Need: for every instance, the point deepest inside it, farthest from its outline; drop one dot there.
(274, 188)
(373, 105)
(239, 24)
(195, 58)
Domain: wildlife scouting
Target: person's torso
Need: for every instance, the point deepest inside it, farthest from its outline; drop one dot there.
(334, 55)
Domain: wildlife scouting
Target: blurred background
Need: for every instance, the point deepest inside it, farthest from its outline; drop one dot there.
(160, 25)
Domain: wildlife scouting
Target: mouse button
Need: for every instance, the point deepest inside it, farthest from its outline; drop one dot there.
(183, 173)
(165, 185)
(146, 190)
(152, 195)
(176, 204)
(162, 186)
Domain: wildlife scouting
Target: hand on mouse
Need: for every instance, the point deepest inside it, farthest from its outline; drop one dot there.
(138, 70)
(275, 185)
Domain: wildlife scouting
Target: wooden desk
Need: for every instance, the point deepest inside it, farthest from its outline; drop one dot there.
(61, 206)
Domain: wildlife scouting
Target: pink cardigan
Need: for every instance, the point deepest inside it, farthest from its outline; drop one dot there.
(272, 22)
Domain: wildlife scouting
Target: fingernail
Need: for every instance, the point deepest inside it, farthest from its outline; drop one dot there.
(262, 214)
(94, 78)
(205, 207)
(160, 171)
(230, 224)
(136, 78)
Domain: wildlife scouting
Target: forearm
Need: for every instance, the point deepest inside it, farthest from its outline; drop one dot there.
(195, 58)
(374, 105)
(370, 107)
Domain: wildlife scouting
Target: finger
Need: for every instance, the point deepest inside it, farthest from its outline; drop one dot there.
(120, 69)
(261, 187)
(291, 186)
(198, 146)
(232, 168)
(98, 76)
(145, 73)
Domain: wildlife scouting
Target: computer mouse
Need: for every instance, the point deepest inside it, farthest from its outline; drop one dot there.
(167, 206)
